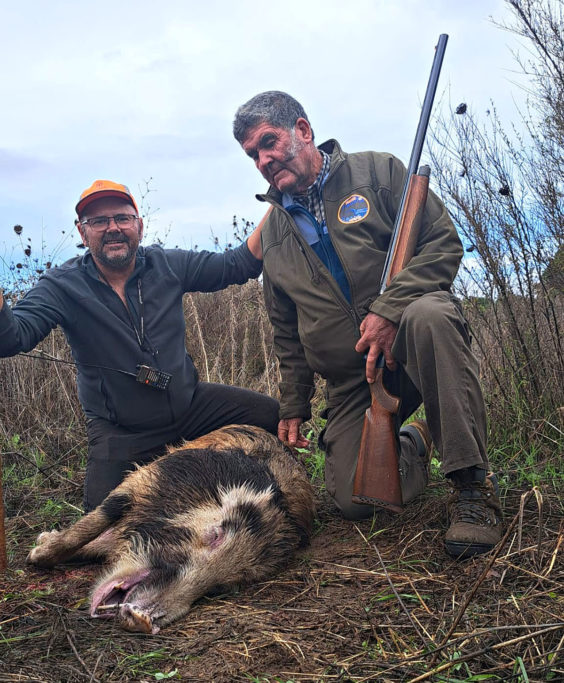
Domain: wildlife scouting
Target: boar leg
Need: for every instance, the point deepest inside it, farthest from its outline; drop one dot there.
(103, 547)
(54, 547)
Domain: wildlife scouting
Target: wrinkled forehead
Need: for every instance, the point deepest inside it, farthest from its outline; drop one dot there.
(107, 206)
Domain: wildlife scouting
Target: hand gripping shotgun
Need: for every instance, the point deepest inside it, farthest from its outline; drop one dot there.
(377, 478)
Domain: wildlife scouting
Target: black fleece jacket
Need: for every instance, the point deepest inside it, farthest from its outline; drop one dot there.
(101, 331)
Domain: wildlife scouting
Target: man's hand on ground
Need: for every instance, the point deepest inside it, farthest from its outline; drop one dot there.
(289, 431)
(378, 335)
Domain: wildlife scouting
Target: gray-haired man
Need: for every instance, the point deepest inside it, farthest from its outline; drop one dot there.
(324, 246)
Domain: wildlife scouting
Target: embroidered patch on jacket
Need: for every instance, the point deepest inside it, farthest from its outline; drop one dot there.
(354, 209)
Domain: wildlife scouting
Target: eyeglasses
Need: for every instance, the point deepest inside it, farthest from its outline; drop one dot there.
(122, 220)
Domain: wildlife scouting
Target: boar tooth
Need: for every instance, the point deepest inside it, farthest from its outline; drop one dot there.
(104, 608)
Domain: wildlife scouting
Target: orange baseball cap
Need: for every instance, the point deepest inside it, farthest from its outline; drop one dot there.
(104, 188)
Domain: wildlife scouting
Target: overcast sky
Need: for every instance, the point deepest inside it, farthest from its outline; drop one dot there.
(137, 90)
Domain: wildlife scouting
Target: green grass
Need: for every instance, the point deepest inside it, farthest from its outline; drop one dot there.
(144, 664)
(25, 470)
(527, 462)
(315, 465)
(314, 457)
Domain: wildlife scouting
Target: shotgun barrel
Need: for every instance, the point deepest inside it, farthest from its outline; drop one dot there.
(416, 151)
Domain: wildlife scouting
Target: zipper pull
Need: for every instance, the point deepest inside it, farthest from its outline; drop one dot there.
(312, 270)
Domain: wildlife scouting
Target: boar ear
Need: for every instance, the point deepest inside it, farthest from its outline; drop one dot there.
(214, 536)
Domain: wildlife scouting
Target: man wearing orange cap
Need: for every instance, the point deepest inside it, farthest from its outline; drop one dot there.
(120, 306)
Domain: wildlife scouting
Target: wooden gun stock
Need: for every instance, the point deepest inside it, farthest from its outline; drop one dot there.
(377, 477)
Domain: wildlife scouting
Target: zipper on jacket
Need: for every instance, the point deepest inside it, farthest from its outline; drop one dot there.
(313, 220)
(351, 287)
(130, 310)
(144, 343)
(318, 273)
(314, 275)
(343, 303)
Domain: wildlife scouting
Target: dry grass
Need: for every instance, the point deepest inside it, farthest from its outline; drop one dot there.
(230, 338)
(520, 348)
(372, 601)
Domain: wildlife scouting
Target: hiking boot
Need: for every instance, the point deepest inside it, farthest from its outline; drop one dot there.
(475, 517)
(419, 432)
(414, 467)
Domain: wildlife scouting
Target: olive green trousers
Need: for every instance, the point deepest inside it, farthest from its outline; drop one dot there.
(436, 368)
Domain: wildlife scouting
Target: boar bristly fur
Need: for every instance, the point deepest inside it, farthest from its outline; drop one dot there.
(226, 509)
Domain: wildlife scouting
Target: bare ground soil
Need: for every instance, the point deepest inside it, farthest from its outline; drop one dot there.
(365, 602)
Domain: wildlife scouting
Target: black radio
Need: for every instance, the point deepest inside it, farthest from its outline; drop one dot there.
(152, 377)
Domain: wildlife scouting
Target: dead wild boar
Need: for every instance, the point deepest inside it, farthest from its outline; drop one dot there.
(227, 509)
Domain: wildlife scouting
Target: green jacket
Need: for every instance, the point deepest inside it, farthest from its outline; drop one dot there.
(315, 327)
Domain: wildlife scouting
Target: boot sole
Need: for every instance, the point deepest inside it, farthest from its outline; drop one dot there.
(462, 551)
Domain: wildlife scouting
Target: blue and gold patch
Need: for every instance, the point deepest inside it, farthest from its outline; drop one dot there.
(354, 209)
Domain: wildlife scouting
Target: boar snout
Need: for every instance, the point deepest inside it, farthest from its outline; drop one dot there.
(132, 618)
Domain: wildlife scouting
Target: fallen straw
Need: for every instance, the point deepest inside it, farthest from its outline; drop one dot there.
(3, 556)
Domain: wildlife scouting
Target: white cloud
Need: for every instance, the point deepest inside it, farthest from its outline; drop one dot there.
(132, 90)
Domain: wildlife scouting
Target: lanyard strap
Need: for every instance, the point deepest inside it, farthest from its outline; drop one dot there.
(140, 334)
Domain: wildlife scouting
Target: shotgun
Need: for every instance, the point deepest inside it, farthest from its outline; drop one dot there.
(377, 477)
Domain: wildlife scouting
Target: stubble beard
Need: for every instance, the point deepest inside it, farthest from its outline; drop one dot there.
(115, 261)
(292, 151)
(294, 147)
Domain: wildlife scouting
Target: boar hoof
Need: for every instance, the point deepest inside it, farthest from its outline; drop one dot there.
(47, 536)
(42, 555)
